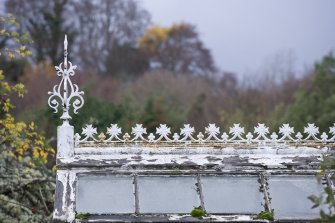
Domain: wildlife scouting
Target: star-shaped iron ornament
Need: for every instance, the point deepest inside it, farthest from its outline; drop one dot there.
(311, 130)
(114, 130)
(212, 129)
(261, 129)
(236, 130)
(187, 130)
(286, 130)
(138, 131)
(89, 131)
(163, 130)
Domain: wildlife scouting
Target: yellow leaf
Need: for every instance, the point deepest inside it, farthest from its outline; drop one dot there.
(11, 55)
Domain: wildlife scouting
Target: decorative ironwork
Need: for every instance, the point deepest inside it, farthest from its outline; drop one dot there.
(236, 135)
(66, 92)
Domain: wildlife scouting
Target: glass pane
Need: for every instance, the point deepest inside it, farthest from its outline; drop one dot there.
(105, 194)
(232, 194)
(167, 194)
(289, 196)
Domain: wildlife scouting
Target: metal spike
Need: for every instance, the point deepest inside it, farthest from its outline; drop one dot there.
(65, 51)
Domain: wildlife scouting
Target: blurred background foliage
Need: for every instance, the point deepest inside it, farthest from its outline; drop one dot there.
(132, 72)
(136, 72)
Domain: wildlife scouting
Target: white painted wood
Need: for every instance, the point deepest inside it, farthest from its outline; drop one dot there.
(65, 141)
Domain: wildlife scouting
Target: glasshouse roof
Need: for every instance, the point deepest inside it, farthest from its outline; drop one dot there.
(108, 175)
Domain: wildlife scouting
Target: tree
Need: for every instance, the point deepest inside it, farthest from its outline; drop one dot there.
(177, 49)
(315, 104)
(14, 68)
(106, 27)
(9, 36)
(105, 32)
(26, 188)
(46, 23)
(156, 111)
(126, 61)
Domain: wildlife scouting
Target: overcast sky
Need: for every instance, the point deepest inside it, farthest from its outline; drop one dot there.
(242, 34)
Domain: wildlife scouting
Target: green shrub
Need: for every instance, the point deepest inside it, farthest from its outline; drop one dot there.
(265, 215)
(198, 212)
(82, 215)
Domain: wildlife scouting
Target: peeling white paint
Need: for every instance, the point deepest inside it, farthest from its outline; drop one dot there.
(176, 217)
(62, 177)
(229, 217)
(200, 150)
(67, 179)
(72, 197)
(214, 218)
(126, 156)
(65, 142)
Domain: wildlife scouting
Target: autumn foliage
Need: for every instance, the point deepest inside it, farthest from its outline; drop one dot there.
(26, 187)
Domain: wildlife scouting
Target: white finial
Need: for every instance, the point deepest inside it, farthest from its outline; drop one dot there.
(66, 94)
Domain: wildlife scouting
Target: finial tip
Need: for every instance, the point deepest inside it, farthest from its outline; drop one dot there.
(65, 42)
